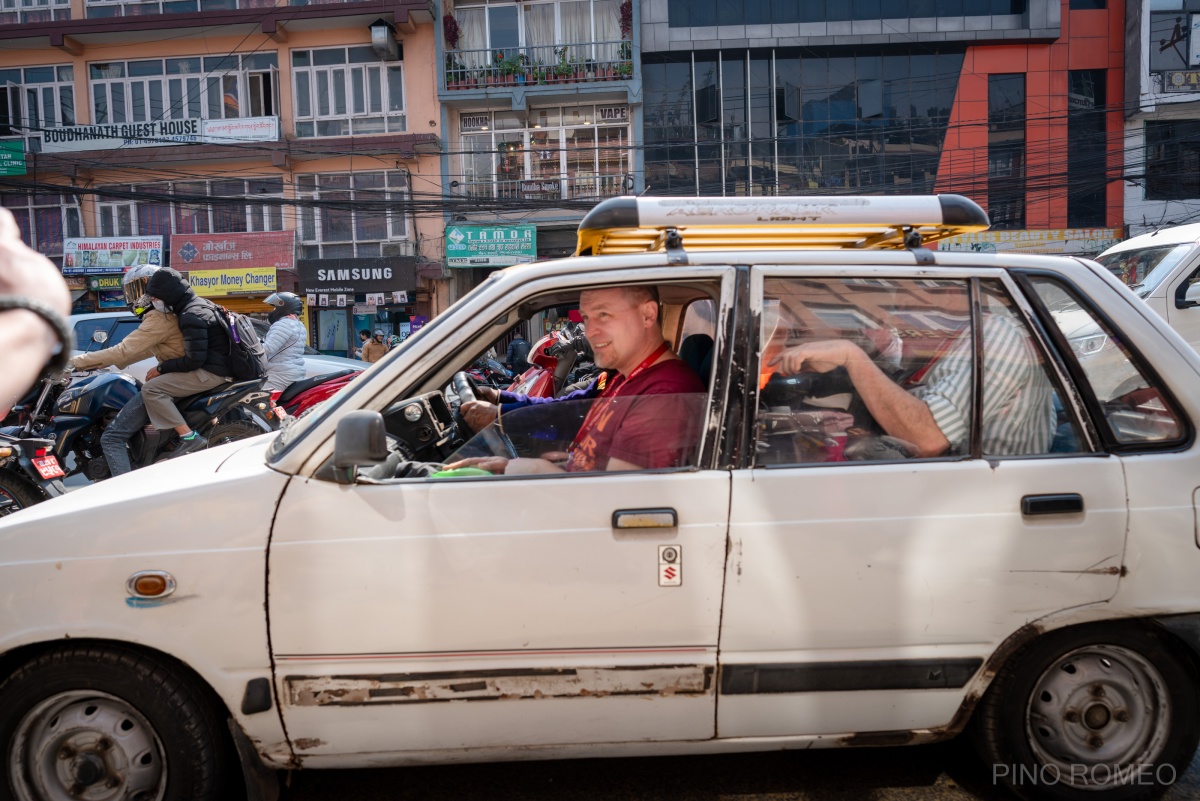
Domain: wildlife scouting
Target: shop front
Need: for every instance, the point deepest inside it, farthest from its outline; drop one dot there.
(93, 268)
(237, 271)
(345, 296)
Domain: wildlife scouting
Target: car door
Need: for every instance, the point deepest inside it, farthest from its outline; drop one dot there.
(472, 613)
(1182, 314)
(890, 578)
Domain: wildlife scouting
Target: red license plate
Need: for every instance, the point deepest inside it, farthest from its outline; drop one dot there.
(47, 467)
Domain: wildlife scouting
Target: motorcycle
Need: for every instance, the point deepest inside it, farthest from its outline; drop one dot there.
(561, 360)
(489, 372)
(72, 411)
(300, 396)
(29, 473)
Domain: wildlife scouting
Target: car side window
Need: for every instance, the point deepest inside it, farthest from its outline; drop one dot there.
(85, 328)
(918, 386)
(123, 329)
(1135, 410)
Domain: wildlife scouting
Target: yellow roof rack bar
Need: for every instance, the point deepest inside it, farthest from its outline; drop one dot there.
(627, 225)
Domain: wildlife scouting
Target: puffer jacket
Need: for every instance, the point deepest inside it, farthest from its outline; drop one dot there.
(206, 342)
(285, 353)
(157, 335)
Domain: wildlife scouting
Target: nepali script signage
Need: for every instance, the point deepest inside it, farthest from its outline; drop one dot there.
(93, 256)
(73, 138)
(233, 264)
(490, 245)
(1056, 241)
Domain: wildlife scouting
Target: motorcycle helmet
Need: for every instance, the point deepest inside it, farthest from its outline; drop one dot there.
(393, 341)
(285, 303)
(134, 283)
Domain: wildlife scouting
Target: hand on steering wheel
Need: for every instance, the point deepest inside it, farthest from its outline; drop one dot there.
(498, 444)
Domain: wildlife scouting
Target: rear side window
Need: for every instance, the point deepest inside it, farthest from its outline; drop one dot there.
(85, 328)
(1135, 410)
(124, 328)
(920, 393)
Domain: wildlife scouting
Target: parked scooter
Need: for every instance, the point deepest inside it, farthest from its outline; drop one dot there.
(72, 410)
(29, 473)
(489, 372)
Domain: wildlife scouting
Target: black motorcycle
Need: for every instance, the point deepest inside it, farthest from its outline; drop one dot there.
(29, 473)
(72, 410)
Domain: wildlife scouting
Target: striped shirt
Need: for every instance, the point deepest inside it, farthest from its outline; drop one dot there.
(1018, 411)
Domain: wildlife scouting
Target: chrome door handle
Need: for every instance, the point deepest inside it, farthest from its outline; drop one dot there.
(644, 518)
(1062, 504)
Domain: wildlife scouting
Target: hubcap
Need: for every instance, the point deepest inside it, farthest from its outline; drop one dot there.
(86, 746)
(1097, 716)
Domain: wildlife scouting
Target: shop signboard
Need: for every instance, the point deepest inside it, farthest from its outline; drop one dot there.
(159, 133)
(233, 264)
(12, 157)
(490, 245)
(110, 255)
(104, 283)
(1055, 241)
(328, 278)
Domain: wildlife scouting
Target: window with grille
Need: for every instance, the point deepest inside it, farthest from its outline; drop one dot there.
(33, 99)
(347, 215)
(347, 91)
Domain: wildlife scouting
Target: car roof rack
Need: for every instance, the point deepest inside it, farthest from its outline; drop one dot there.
(628, 225)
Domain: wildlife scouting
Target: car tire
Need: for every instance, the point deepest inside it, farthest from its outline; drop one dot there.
(112, 721)
(16, 494)
(1096, 713)
(232, 431)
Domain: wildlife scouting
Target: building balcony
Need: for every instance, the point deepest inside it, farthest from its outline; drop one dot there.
(98, 9)
(587, 189)
(25, 12)
(538, 65)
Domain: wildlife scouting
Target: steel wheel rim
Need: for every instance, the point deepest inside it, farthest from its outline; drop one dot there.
(86, 746)
(1098, 717)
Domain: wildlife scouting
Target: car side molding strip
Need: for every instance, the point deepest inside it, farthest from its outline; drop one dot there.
(810, 677)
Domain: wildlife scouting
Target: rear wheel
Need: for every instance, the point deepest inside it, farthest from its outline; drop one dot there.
(232, 431)
(1096, 713)
(16, 494)
(107, 723)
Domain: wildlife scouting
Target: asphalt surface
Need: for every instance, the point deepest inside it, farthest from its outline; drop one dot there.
(947, 772)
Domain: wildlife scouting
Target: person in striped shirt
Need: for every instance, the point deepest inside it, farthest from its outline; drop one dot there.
(935, 417)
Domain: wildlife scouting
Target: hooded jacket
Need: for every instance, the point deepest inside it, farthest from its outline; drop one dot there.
(206, 340)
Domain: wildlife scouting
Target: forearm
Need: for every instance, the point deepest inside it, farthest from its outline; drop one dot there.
(900, 414)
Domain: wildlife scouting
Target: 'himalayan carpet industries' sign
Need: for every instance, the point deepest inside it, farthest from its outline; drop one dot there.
(233, 264)
(84, 256)
(73, 138)
(1056, 241)
(490, 245)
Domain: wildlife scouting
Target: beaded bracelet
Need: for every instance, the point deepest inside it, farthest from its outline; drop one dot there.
(56, 321)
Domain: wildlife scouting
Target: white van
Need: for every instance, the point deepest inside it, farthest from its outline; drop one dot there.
(1162, 268)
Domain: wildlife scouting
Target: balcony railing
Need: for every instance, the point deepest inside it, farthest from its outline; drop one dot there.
(592, 187)
(539, 65)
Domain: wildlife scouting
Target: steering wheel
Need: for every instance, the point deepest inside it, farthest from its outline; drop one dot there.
(497, 442)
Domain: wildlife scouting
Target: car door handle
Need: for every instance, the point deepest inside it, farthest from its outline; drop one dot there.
(1065, 503)
(644, 518)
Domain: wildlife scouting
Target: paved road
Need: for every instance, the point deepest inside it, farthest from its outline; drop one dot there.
(929, 773)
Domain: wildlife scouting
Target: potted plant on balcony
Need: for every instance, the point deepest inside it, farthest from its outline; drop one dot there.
(563, 69)
(625, 52)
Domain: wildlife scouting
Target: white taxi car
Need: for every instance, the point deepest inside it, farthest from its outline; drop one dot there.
(804, 575)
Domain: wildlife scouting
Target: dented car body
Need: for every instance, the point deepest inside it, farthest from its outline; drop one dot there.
(805, 581)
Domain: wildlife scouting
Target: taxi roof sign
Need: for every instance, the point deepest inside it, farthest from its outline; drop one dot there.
(627, 225)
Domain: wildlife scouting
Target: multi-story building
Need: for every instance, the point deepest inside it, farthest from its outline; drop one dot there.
(540, 102)
(252, 144)
(1015, 103)
(1162, 133)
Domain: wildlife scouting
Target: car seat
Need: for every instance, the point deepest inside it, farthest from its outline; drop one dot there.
(696, 352)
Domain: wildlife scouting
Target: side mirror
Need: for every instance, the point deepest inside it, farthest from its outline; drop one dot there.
(1192, 296)
(100, 336)
(361, 439)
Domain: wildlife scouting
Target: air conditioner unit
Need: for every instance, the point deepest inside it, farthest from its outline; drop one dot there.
(403, 248)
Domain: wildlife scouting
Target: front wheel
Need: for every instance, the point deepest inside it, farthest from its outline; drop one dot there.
(107, 723)
(1096, 714)
(16, 494)
(232, 431)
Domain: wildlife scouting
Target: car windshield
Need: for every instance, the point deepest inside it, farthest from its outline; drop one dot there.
(1144, 269)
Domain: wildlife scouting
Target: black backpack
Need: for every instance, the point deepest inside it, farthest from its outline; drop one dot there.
(247, 357)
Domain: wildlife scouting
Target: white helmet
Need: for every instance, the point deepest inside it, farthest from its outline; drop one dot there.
(134, 284)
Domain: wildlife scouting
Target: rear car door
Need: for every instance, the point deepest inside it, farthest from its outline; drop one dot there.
(422, 615)
(890, 578)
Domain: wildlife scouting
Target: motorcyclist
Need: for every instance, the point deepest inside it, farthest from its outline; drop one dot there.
(157, 334)
(284, 343)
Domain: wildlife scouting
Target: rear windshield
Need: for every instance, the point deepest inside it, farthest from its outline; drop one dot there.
(1145, 268)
